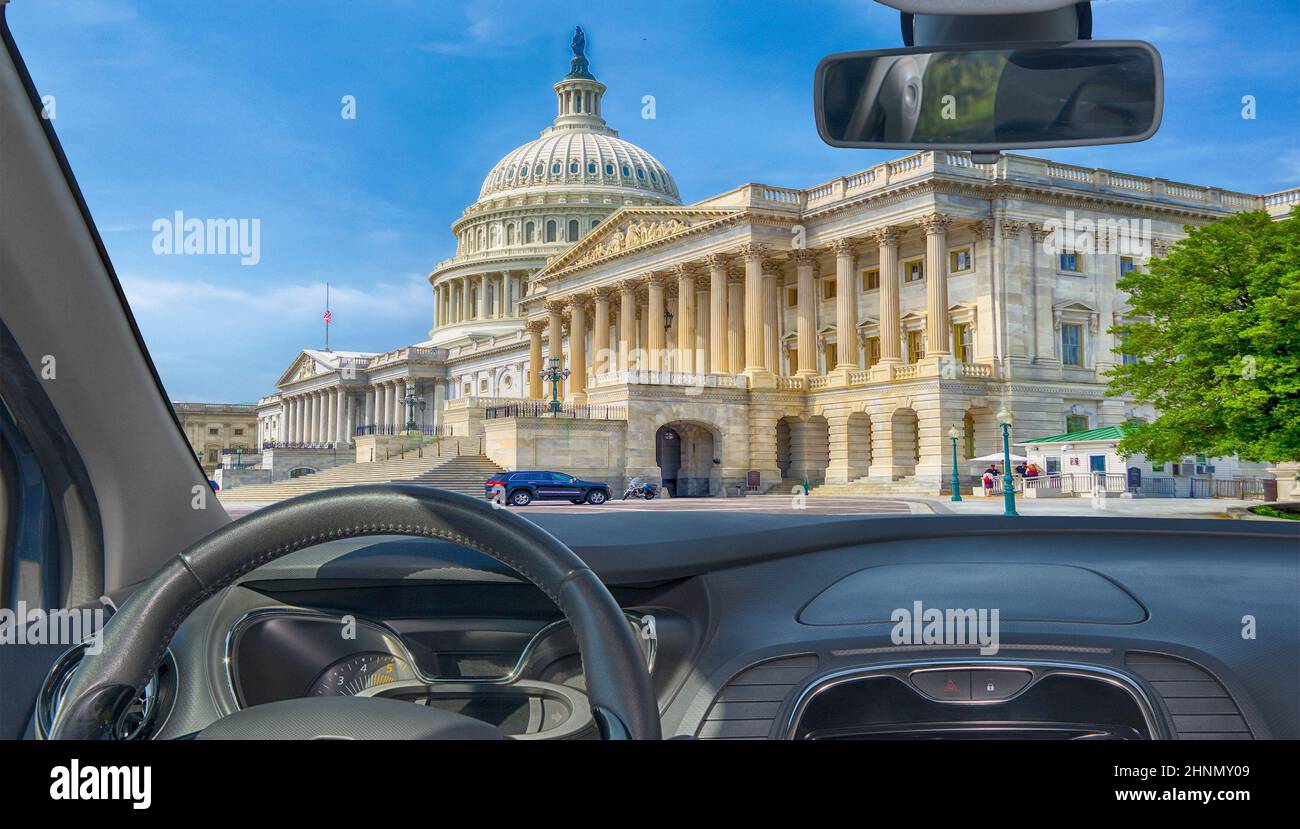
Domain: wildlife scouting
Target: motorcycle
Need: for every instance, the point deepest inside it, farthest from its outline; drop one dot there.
(640, 488)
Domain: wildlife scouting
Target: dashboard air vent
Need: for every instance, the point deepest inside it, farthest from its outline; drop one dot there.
(747, 704)
(1199, 707)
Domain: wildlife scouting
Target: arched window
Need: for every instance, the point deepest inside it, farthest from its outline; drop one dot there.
(555, 169)
(573, 230)
(595, 223)
(523, 171)
(510, 234)
(627, 171)
(573, 168)
(528, 233)
(510, 175)
(609, 169)
(551, 230)
(539, 169)
(591, 168)
(640, 173)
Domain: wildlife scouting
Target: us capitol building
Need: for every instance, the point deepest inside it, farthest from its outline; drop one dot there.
(832, 334)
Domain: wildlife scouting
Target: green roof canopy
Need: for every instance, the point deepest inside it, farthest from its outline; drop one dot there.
(1104, 433)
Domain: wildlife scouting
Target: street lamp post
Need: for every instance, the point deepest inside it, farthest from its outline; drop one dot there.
(553, 374)
(411, 401)
(956, 481)
(1008, 486)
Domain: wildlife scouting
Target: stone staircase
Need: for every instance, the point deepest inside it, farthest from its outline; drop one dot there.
(458, 473)
(863, 486)
(465, 474)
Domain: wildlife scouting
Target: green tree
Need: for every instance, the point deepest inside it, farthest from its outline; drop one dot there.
(1216, 330)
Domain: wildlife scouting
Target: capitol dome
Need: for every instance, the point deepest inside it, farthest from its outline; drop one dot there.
(580, 158)
(579, 150)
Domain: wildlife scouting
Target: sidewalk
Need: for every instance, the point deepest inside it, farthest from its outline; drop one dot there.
(1120, 507)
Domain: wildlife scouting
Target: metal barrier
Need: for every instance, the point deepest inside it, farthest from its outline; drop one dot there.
(541, 408)
(394, 431)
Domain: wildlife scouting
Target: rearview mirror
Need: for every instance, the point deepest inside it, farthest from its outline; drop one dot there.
(987, 98)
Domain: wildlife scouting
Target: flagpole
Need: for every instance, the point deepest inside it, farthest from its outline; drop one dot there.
(327, 317)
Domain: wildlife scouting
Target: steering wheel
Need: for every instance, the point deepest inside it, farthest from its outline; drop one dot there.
(134, 639)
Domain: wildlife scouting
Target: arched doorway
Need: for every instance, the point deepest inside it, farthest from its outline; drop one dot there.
(905, 432)
(685, 454)
(808, 450)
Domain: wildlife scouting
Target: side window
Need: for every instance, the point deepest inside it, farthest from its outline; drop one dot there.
(29, 529)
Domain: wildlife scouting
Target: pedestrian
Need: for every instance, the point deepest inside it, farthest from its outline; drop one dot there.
(990, 476)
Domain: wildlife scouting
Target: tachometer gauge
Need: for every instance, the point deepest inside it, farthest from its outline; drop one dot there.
(359, 673)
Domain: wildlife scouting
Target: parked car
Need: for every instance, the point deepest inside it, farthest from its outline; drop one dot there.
(522, 488)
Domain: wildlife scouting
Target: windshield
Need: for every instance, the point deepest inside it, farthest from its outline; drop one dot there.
(446, 243)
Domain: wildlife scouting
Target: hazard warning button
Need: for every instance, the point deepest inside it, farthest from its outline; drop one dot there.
(946, 686)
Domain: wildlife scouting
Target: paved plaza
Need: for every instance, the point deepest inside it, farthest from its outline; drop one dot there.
(911, 505)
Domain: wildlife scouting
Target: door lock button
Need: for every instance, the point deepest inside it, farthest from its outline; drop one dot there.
(988, 685)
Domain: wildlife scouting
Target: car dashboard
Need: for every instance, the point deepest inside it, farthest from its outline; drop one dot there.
(786, 627)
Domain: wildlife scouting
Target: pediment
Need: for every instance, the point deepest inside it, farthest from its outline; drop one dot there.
(635, 228)
(303, 367)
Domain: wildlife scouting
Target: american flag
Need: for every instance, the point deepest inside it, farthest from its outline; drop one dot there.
(329, 315)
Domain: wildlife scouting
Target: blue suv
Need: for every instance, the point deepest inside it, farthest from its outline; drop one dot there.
(522, 488)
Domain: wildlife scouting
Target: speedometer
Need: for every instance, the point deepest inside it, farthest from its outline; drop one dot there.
(359, 673)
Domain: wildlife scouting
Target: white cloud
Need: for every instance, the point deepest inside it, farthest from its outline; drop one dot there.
(290, 303)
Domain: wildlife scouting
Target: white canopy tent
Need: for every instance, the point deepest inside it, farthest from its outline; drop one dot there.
(997, 458)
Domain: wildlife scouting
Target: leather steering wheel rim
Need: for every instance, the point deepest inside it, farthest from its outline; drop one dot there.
(134, 639)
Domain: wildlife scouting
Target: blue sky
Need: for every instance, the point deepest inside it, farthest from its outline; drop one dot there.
(232, 110)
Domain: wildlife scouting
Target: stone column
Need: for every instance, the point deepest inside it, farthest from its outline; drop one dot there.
(381, 406)
(483, 306)
(937, 333)
(703, 309)
(891, 349)
(349, 417)
(655, 320)
(318, 415)
(846, 306)
(578, 347)
(805, 262)
(718, 327)
(535, 359)
(771, 318)
(753, 255)
(372, 406)
(601, 359)
(463, 287)
(340, 415)
(686, 319)
(626, 324)
(330, 399)
(555, 339)
(309, 431)
(735, 320)
(399, 405)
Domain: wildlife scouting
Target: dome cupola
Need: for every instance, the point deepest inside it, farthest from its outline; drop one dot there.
(579, 150)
